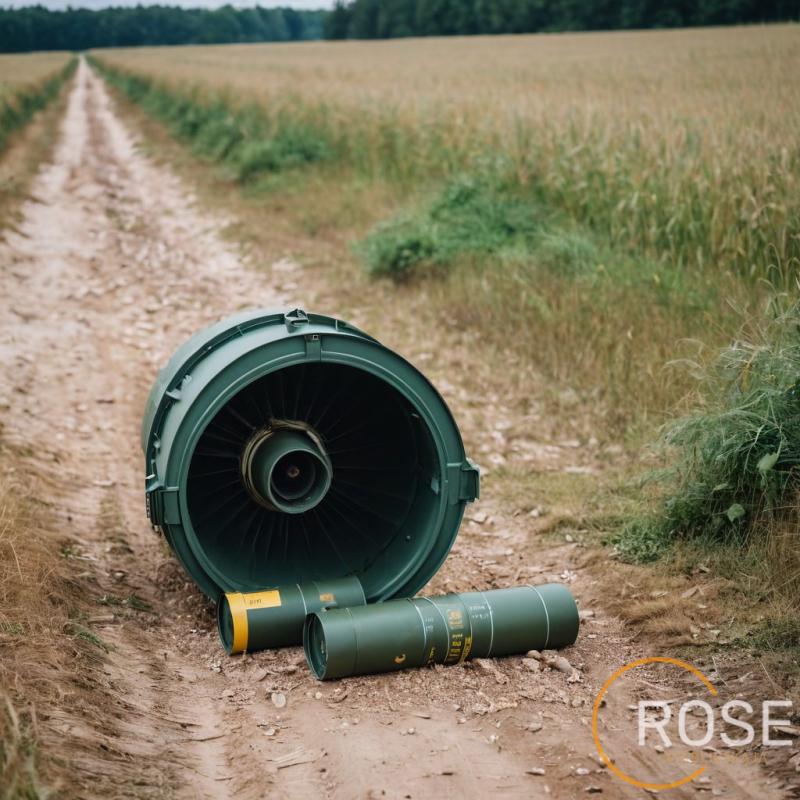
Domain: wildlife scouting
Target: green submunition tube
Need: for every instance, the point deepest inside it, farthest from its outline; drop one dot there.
(439, 630)
(274, 617)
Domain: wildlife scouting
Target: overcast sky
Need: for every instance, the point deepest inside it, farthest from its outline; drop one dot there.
(60, 4)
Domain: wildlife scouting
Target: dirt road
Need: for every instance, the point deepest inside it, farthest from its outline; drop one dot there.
(111, 268)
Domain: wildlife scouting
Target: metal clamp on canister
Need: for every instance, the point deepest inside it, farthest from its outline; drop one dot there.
(274, 617)
(439, 630)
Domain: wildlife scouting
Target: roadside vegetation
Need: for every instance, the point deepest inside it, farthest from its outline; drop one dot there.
(37, 597)
(727, 495)
(30, 103)
(28, 83)
(38, 650)
(619, 212)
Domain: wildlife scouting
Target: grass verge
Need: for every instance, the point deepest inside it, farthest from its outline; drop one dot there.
(38, 599)
(18, 107)
(731, 485)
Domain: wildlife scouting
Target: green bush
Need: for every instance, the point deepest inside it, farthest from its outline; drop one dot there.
(470, 215)
(736, 461)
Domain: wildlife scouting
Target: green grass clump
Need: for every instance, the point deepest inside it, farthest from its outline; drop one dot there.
(735, 475)
(289, 147)
(245, 139)
(471, 215)
(489, 213)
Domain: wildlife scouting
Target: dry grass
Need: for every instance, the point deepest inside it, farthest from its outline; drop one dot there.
(662, 168)
(24, 69)
(58, 712)
(679, 127)
(36, 596)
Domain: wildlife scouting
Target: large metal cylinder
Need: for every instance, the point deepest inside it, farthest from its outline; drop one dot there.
(439, 630)
(274, 617)
(282, 448)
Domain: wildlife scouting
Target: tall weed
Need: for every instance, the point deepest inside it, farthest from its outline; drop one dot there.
(734, 472)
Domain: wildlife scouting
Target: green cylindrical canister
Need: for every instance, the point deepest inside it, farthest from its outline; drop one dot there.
(287, 447)
(439, 630)
(274, 617)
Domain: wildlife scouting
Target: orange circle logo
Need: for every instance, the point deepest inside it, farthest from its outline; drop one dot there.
(596, 712)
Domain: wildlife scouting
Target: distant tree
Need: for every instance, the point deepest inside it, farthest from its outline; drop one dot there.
(364, 22)
(395, 18)
(337, 23)
(370, 19)
(38, 28)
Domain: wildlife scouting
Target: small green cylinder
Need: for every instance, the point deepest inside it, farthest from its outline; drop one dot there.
(439, 630)
(274, 617)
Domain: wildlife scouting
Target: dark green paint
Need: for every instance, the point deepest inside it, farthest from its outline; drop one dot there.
(399, 475)
(439, 630)
(282, 625)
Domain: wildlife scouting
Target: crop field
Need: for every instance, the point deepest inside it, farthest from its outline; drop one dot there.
(609, 195)
(28, 83)
(18, 70)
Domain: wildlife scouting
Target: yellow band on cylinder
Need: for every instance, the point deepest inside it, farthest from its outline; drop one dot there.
(239, 619)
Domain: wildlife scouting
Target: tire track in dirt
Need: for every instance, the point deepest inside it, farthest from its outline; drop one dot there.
(110, 270)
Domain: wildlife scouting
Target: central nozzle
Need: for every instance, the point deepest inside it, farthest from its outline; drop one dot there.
(286, 470)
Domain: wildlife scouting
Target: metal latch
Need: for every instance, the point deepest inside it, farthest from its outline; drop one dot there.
(295, 318)
(463, 481)
(161, 504)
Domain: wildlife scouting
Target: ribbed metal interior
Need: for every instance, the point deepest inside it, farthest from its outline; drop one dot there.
(383, 485)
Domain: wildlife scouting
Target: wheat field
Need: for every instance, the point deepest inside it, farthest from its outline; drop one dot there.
(683, 141)
(23, 69)
(28, 83)
(653, 178)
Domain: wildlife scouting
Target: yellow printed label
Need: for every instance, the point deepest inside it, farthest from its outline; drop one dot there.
(456, 648)
(239, 619)
(327, 597)
(467, 648)
(269, 599)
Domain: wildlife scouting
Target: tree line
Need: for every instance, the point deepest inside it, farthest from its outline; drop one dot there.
(38, 28)
(385, 19)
